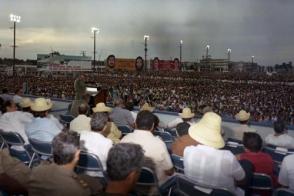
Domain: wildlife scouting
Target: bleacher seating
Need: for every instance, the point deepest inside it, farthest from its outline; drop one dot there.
(124, 130)
(66, 119)
(234, 145)
(178, 163)
(89, 162)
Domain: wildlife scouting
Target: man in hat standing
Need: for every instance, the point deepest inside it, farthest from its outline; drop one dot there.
(243, 118)
(42, 127)
(206, 163)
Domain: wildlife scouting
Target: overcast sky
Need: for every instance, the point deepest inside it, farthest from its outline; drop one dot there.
(263, 28)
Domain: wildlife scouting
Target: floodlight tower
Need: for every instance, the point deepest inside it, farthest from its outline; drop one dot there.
(146, 38)
(94, 31)
(15, 19)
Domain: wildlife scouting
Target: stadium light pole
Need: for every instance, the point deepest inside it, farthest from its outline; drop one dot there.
(181, 45)
(229, 54)
(207, 50)
(252, 59)
(94, 31)
(146, 38)
(15, 19)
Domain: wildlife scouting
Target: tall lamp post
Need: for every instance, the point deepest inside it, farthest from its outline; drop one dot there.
(207, 52)
(229, 56)
(146, 38)
(252, 59)
(15, 19)
(94, 31)
(181, 46)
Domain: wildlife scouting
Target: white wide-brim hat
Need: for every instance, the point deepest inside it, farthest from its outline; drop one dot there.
(147, 107)
(208, 131)
(41, 104)
(101, 107)
(25, 102)
(242, 115)
(186, 113)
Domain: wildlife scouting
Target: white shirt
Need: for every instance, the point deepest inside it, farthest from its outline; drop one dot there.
(286, 175)
(284, 140)
(80, 123)
(56, 121)
(240, 130)
(211, 166)
(97, 144)
(154, 148)
(16, 121)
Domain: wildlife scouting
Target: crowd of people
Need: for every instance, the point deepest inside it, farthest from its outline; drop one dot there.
(201, 145)
(265, 97)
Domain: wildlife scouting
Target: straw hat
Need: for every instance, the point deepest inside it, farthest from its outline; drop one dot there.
(41, 104)
(147, 107)
(25, 102)
(186, 113)
(242, 115)
(100, 107)
(208, 130)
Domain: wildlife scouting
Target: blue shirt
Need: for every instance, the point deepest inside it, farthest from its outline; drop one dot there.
(42, 129)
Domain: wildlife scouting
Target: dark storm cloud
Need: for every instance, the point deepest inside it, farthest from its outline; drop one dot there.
(262, 28)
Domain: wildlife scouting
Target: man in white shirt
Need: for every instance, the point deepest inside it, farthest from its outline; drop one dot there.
(206, 163)
(243, 118)
(42, 127)
(185, 116)
(286, 175)
(153, 146)
(82, 121)
(13, 120)
(280, 138)
(93, 141)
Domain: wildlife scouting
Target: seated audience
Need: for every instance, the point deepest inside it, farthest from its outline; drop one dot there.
(13, 120)
(93, 141)
(82, 121)
(121, 116)
(13, 174)
(58, 178)
(111, 131)
(280, 137)
(243, 118)
(262, 162)
(186, 116)
(153, 146)
(286, 175)
(124, 164)
(206, 163)
(42, 128)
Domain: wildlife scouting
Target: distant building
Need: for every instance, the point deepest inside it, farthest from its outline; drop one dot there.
(210, 64)
(243, 66)
(60, 62)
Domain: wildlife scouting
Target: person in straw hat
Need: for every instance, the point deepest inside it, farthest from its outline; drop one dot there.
(206, 163)
(243, 118)
(42, 127)
(82, 121)
(25, 104)
(111, 131)
(185, 116)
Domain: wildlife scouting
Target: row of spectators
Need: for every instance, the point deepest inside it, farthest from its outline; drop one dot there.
(200, 143)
